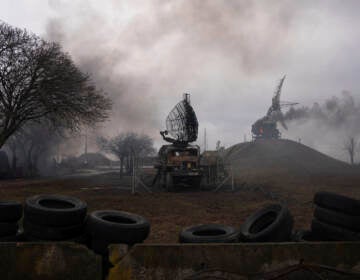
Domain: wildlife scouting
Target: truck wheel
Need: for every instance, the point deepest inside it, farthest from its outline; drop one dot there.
(271, 224)
(169, 185)
(333, 233)
(10, 238)
(337, 218)
(10, 211)
(196, 183)
(55, 210)
(212, 233)
(338, 203)
(117, 227)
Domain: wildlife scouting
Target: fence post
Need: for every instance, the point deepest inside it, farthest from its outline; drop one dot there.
(133, 176)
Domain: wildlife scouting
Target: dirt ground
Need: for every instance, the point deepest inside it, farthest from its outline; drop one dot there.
(170, 212)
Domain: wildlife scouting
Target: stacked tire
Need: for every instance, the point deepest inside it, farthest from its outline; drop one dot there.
(336, 217)
(10, 214)
(54, 218)
(209, 233)
(273, 223)
(106, 227)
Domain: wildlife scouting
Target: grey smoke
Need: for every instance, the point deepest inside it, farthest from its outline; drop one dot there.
(169, 47)
(326, 125)
(228, 54)
(341, 112)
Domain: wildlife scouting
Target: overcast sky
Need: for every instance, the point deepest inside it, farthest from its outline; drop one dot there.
(228, 54)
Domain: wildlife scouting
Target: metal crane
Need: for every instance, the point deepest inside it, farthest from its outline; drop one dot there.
(266, 126)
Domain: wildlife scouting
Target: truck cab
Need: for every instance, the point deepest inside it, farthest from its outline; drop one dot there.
(179, 166)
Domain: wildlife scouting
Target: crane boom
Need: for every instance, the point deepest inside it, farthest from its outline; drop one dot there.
(266, 127)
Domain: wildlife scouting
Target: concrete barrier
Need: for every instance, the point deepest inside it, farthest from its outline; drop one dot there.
(55, 261)
(321, 260)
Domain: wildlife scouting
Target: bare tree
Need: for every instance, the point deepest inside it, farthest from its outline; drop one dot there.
(39, 81)
(127, 145)
(350, 146)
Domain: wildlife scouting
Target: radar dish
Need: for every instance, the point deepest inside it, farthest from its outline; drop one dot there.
(181, 123)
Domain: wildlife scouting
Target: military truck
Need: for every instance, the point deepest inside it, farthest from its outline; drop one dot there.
(179, 162)
(179, 166)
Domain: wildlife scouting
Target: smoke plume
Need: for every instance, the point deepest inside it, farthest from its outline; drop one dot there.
(326, 126)
(146, 54)
(226, 53)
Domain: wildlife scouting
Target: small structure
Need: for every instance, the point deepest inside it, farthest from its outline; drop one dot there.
(93, 159)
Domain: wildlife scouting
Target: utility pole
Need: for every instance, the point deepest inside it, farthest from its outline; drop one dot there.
(205, 140)
(86, 144)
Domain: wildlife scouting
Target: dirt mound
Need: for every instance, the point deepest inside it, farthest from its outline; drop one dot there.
(282, 155)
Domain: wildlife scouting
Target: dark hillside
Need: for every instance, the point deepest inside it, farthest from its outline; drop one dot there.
(282, 156)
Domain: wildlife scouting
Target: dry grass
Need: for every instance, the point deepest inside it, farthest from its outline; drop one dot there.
(169, 212)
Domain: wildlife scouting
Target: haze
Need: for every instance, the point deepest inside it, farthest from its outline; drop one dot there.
(228, 54)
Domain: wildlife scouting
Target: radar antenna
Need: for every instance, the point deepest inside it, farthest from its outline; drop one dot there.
(181, 123)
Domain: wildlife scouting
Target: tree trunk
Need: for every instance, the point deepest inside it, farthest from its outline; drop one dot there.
(34, 165)
(131, 165)
(128, 165)
(13, 165)
(121, 166)
(12, 147)
(30, 168)
(2, 140)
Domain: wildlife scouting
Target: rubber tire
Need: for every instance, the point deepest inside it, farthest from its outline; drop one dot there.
(100, 247)
(42, 232)
(337, 218)
(338, 203)
(41, 215)
(333, 233)
(10, 238)
(117, 232)
(188, 235)
(304, 236)
(276, 229)
(20, 236)
(10, 211)
(7, 229)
